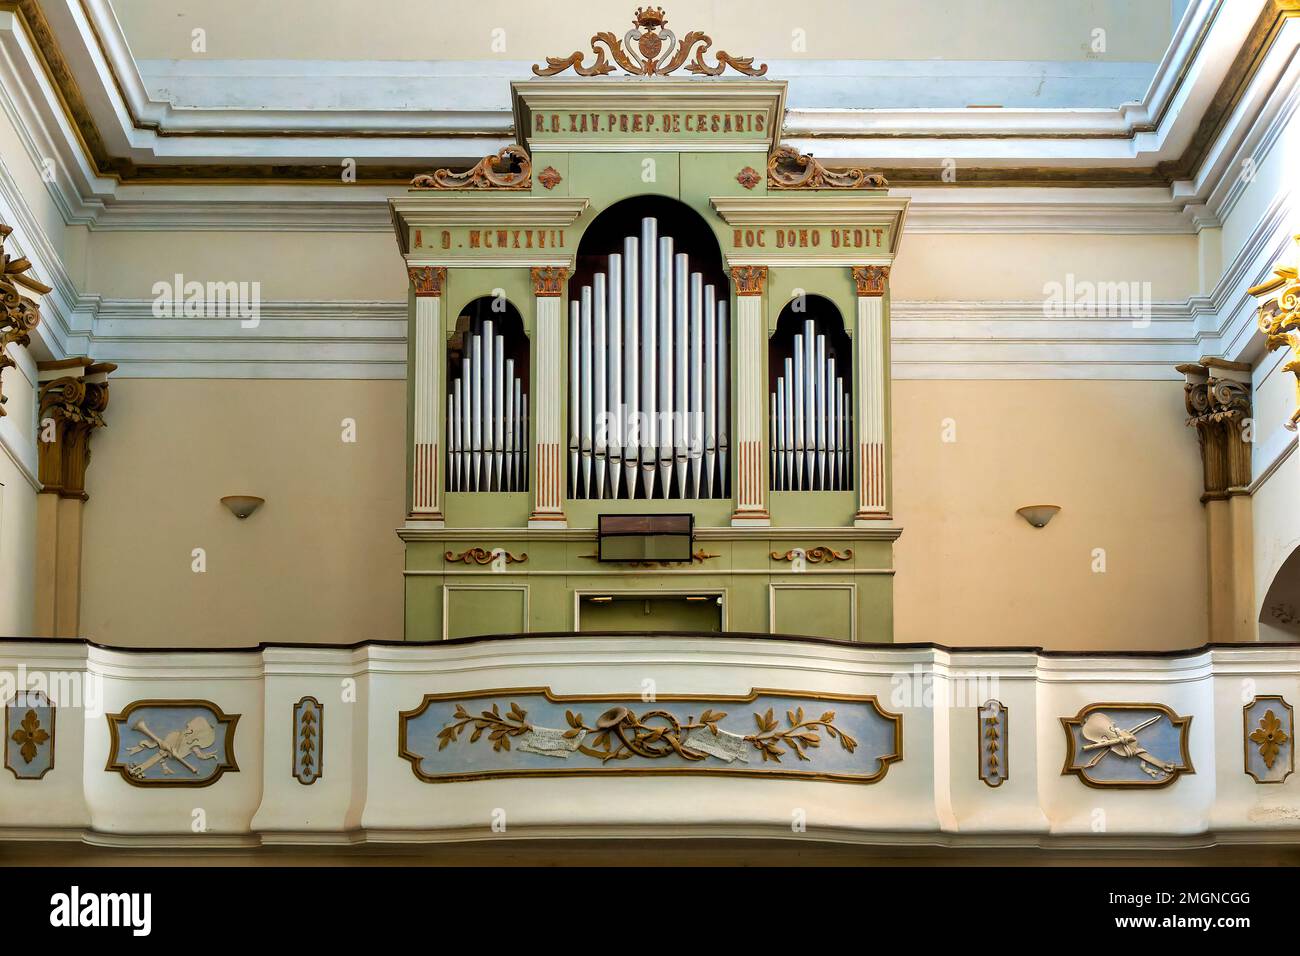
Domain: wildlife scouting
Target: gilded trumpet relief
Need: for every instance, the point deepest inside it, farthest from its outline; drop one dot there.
(172, 743)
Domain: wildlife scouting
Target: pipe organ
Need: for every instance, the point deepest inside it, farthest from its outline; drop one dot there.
(650, 373)
(487, 417)
(810, 419)
(648, 377)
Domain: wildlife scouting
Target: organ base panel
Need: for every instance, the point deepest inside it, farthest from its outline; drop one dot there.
(652, 318)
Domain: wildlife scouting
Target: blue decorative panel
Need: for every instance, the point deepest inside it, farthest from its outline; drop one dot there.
(993, 741)
(1127, 745)
(1270, 739)
(29, 735)
(172, 743)
(767, 733)
(308, 740)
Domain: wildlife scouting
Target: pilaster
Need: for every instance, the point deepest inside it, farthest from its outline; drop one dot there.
(426, 452)
(548, 400)
(749, 335)
(870, 374)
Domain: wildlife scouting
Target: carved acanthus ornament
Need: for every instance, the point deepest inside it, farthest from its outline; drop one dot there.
(1217, 395)
(787, 168)
(650, 49)
(511, 168)
(427, 280)
(750, 280)
(1279, 317)
(71, 407)
(870, 280)
(548, 281)
(818, 555)
(484, 556)
(19, 315)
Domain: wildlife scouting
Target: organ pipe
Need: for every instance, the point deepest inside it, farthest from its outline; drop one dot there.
(487, 417)
(811, 431)
(648, 373)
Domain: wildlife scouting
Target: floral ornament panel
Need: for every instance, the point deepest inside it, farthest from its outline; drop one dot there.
(29, 735)
(1270, 739)
(530, 731)
(1127, 745)
(992, 737)
(172, 743)
(308, 740)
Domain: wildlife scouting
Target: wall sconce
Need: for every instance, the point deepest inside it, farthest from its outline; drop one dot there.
(1038, 515)
(241, 506)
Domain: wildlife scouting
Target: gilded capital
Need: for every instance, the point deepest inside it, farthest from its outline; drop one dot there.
(750, 280)
(19, 315)
(427, 280)
(871, 280)
(548, 281)
(1217, 396)
(73, 398)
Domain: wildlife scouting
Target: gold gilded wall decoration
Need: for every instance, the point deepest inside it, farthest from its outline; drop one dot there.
(484, 556)
(1279, 317)
(1127, 745)
(699, 556)
(550, 177)
(19, 315)
(1269, 728)
(992, 740)
(870, 280)
(749, 280)
(172, 743)
(818, 555)
(748, 177)
(531, 731)
(787, 168)
(29, 734)
(510, 168)
(650, 49)
(308, 757)
(548, 281)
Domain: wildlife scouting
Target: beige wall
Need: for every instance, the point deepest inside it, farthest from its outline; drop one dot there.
(319, 562)
(17, 505)
(1114, 455)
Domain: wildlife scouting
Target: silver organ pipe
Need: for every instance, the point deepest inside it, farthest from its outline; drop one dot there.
(631, 364)
(487, 418)
(649, 374)
(614, 410)
(811, 429)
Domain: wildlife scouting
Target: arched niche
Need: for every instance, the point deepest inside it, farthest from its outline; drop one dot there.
(1279, 612)
(649, 359)
(488, 375)
(810, 398)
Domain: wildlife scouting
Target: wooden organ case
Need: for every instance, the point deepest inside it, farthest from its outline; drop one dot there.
(649, 306)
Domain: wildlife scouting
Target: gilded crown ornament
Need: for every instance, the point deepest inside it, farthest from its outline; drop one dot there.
(650, 49)
(19, 315)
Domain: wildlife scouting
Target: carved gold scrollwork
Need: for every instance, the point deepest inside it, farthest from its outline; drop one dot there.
(510, 168)
(1279, 317)
(483, 556)
(787, 168)
(818, 555)
(19, 315)
(651, 50)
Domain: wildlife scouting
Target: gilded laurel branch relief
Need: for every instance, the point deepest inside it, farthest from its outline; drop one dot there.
(992, 739)
(621, 734)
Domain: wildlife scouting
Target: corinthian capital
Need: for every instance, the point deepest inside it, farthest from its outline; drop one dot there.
(19, 315)
(1217, 396)
(73, 398)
